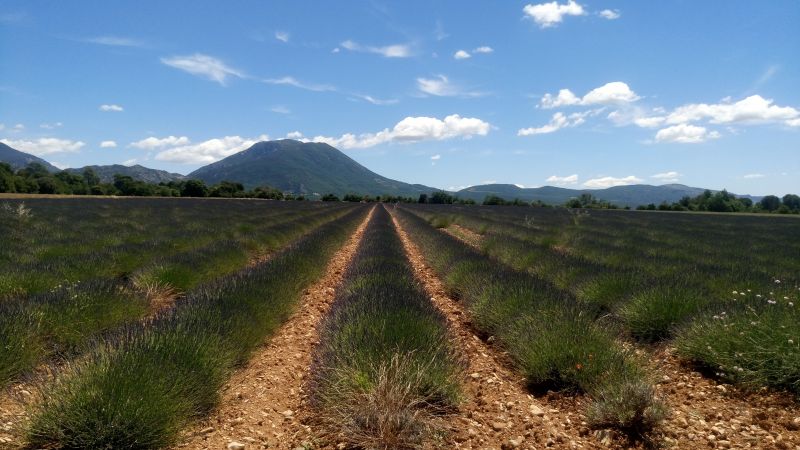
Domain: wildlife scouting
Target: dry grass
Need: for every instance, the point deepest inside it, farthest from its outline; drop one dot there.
(388, 413)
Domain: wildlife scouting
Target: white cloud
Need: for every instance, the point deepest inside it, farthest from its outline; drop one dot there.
(209, 151)
(291, 81)
(483, 49)
(45, 146)
(129, 162)
(793, 122)
(650, 122)
(280, 109)
(551, 14)
(753, 109)
(436, 157)
(153, 143)
(114, 41)
(377, 101)
(111, 108)
(751, 176)
(51, 126)
(282, 36)
(462, 54)
(559, 121)
(563, 181)
(294, 135)
(412, 129)
(441, 86)
(667, 177)
(389, 51)
(607, 182)
(17, 128)
(615, 92)
(59, 165)
(108, 144)
(609, 14)
(204, 66)
(685, 134)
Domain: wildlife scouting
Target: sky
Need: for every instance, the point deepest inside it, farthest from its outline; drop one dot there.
(579, 94)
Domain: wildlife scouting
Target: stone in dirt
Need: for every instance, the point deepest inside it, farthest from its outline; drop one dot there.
(235, 446)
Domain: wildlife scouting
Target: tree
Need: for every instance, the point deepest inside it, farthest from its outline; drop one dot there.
(194, 188)
(227, 189)
(792, 202)
(90, 177)
(441, 198)
(423, 198)
(770, 203)
(330, 198)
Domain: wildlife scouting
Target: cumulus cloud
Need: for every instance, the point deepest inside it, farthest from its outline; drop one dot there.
(389, 51)
(462, 54)
(753, 109)
(563, 181)
(294, 135)
(441, 86)
(609, 14)
(129, 162)
(751, 176)
(111, 108)
(282, 36)
(108, 144)
(204, 66)
(153, 143)
(411, 129)
(551, 14)
(209, 151)
(685, 134)
(667, 177)
(793, 122)
(483, 49)
(559, 121)
(607, 182)
(615, 92)
(291, 81)
(45, 146)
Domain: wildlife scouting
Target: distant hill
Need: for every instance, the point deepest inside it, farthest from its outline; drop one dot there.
(20, 160)
(137, 172)
(633, 195)
(303, 168)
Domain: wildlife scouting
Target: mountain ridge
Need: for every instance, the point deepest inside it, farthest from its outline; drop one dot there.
(19, 160)
(137, 172)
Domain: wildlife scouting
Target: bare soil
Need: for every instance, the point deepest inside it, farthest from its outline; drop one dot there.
(263, 403)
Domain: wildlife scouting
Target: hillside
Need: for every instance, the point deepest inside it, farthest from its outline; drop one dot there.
(19, 160)
(303, 168)
(633, 195)
(137, 172)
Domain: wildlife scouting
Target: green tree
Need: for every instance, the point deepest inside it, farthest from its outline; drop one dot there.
(194, 188)
(792, 202)
(770, 203)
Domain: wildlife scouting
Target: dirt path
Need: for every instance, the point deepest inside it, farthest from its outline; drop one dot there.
(261, 403)
(464, 234)
(707, 414)
(498, 411)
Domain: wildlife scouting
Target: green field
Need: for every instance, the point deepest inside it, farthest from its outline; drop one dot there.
(144, 308)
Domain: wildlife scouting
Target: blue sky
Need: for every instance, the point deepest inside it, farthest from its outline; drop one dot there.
(448, 94)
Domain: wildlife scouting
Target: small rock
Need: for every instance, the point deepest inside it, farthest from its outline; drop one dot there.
(536, 411)
(723, 443)
(498, 426)
(235, 446)
(794, 425)
(475, 375)
(472, 432)
(207, 430)
(288, 413)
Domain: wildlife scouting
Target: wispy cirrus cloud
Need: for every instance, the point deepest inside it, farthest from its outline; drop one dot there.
(110, 107)
(294, 82)
(388, 51)
(114, 41)
(204, 66)
(441, 86)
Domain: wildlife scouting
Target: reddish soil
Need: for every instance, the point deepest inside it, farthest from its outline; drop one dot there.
(498, 411)
(262, 404)
(464, 234)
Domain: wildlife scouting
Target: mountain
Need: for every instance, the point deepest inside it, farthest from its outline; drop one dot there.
(303, 168)
(19, 160)
(137, 172)
(633, 195)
